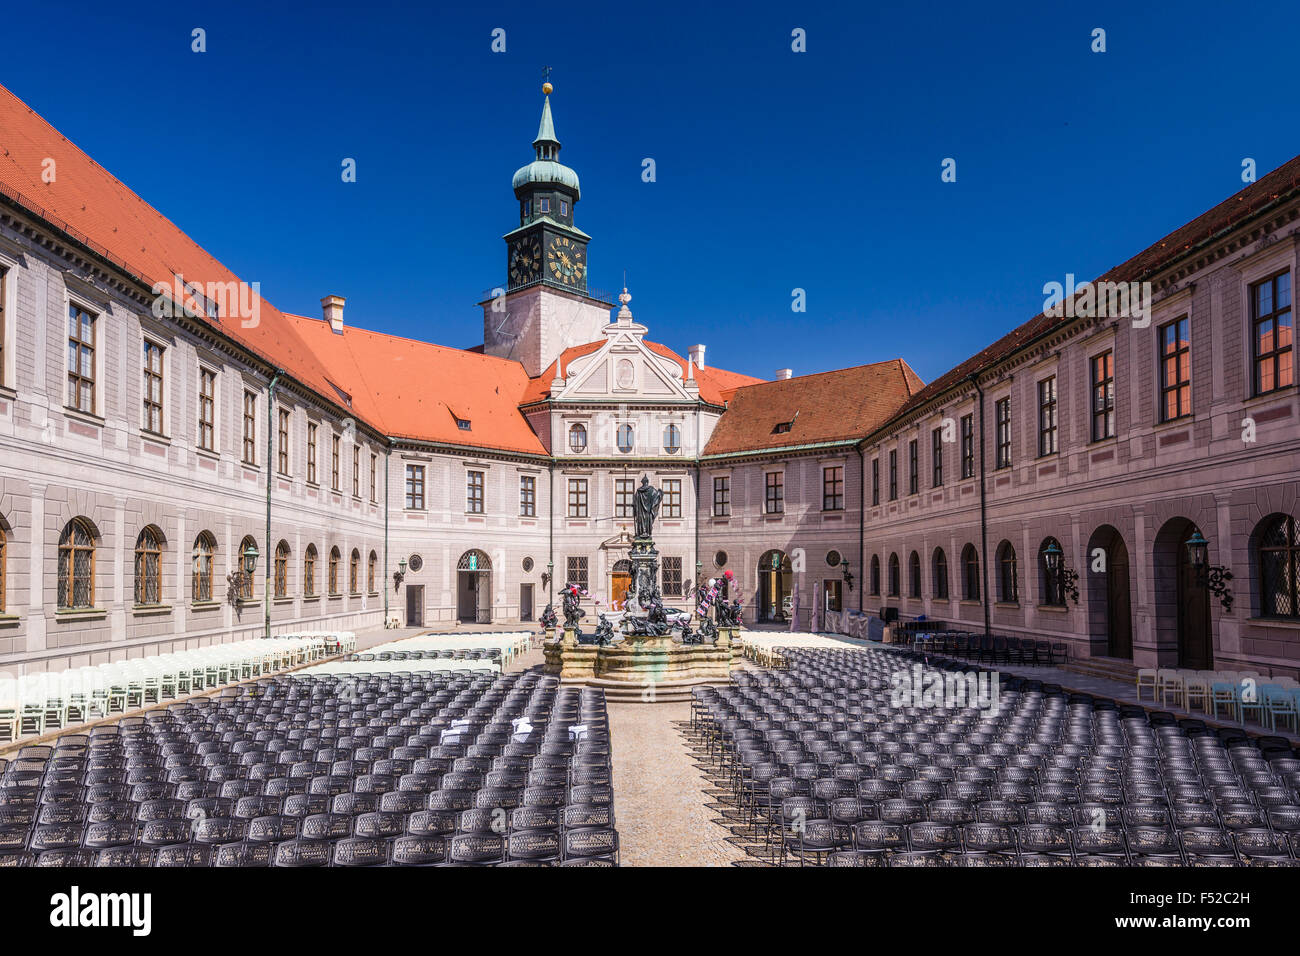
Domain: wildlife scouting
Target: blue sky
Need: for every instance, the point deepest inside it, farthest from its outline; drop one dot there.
(776, 170)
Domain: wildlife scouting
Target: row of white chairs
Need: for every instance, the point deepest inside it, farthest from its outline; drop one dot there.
(422, 666)
(760, 646)
(510, 643)
(51, 700)
(1239, 693)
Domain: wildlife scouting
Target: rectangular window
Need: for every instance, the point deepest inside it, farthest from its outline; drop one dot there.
(1103, 396)
(527, 496)
(474, 492)
(672, 577)
(356, 471)
(893, 475)
(543, 205)
(833, 588)
(578, 499)
(311, 452)
(1047, 416)
(913, 468)
(833, 488)
(875, 481)
(577, 568)
(623, 489)
(775, 497)
(1175, 370)
(282, 461)
(1002, 414)
(207, 409)
(722, 496)
(415, 487)
(936, 457)
(672, 503)
(374, 478)
(81, 359)
(968, 446)
(153, 388)
(250, 428)
(335, 446)
(564, 207)
(1273, 327)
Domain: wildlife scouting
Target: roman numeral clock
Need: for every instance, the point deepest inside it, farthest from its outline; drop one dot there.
(566, 261)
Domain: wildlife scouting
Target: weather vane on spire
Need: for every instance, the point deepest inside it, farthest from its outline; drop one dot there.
(546, 77)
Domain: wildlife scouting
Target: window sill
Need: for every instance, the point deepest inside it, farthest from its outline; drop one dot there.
(209, 453)
(310, 598)
(1265, 397)
(81, 614)
(1007, 605)
(10, 620)
(1286, 623)
(336, 597)
(1053, 608)
(155, 437)
(150, 610)
(280, 601)
(969, 603)
(373, 594)
(205, 605)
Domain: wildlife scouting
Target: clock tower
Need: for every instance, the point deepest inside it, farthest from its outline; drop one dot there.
(544, 306)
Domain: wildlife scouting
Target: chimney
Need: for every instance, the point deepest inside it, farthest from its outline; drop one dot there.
(332, 306)
(783, 373)
(697, 355)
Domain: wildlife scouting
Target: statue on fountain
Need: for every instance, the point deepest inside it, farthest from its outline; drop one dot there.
(728, 613)
(645, 508)
(573, 612)
(604, 635)
(548, 619)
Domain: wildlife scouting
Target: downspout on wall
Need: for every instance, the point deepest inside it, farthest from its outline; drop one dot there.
(862, 523)
(984, 515)
(270, 478)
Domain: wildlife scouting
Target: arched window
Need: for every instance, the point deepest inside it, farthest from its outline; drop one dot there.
(1008, 589)
(76, 565)
(148, 567)
(875, 574)
(282, 569)
(205, 546)
(309, 571)
(672, 439)
(1049, 584)
(335, 557)
(914, 575)
(371, 562)
(626, 438)
(245, 592)
(940, 574)
(577, 438)
(1278, 557)
(970, 573)
(894, 583)
(354, 572)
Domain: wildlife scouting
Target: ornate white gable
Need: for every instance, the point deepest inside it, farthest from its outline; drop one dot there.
(624, 368)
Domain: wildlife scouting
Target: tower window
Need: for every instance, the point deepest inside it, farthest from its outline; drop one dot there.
(528, 207)
(544, 205)
(564, 207)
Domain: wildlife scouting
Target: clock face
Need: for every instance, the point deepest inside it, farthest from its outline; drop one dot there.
(525, 258)
(566, 261)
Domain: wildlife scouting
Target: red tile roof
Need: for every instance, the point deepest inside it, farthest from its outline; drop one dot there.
(716, 384)
(842, 405)
(417, 390)
(90, 203)
(1281, 183)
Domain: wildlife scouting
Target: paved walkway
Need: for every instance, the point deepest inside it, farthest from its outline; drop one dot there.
(660, 797)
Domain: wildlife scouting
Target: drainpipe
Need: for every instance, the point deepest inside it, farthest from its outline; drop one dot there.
(270, 477)
(387, 452)
(984, 513)
(550, 524)
(862, 522)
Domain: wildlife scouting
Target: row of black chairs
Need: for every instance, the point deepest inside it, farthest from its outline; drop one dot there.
(394, 769)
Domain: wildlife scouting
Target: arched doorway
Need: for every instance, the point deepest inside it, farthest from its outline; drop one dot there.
(1182, 599)
(774, 582)
(474, 588)
(620, 579)
(1110, 612)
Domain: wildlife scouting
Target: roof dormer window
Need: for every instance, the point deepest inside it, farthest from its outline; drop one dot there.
(463, 424)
